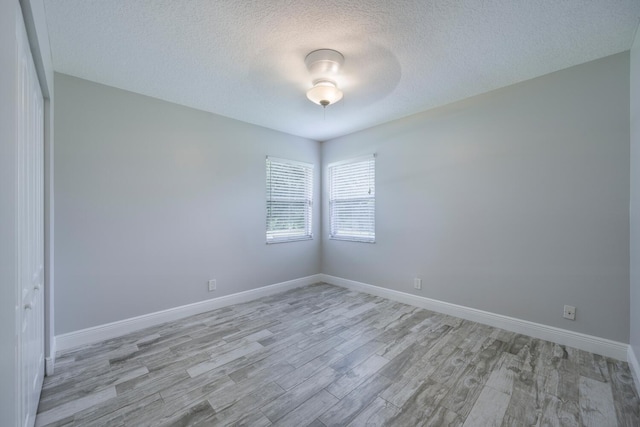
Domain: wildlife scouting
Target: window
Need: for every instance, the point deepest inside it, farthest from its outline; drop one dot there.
(352, 200)
(289, 200)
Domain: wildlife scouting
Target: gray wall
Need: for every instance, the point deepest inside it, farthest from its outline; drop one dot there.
(153, 199)
(635, 197)
(514, 202)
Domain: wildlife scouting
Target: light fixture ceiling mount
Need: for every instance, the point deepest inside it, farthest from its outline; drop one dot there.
(324, 64)
(324, 61)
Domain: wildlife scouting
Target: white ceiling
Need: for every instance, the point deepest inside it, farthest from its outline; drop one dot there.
(245, 59)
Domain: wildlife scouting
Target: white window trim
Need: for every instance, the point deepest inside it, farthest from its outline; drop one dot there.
(348, 237)
(309, 230)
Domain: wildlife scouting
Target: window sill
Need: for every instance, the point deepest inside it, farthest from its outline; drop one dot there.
(289, 240)
(352, 239)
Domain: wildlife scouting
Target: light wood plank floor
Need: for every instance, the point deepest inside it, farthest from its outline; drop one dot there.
(325, 356)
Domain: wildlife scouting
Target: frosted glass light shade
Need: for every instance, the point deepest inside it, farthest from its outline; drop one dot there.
(324, 93)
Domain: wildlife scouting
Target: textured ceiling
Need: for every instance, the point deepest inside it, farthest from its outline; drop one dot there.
(245, 59)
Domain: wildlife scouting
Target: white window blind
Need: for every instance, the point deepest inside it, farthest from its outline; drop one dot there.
(352, 199)
(289, 200)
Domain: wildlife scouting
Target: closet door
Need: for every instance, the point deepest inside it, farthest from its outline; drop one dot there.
(29, 227)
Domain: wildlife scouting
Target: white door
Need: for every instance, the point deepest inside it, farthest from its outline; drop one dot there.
(29, 227)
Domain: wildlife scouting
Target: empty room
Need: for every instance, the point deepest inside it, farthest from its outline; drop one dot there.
(303, 213)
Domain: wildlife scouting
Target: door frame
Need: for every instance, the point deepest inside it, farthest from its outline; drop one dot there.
(33, 12)
(27, 201)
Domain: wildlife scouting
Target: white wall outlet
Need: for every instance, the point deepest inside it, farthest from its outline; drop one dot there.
(212, 285)
(569, 312)
(417, 283)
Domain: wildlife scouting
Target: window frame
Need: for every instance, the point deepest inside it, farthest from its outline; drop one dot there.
(272, 236)
(337, 234)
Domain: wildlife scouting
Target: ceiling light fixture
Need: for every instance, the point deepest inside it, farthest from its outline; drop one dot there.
(324, 64)
(324, 92)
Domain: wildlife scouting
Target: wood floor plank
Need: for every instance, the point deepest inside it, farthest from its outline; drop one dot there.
(302, 373)
(593, 366)
(559, 413)
(451, 368)
(231, 394)
(171, 415)
(596, 404)
(465, 391)
(378, 413)
(489, 409)
(356, 341)
(505, 373)
(421, 405)
(72, 390)
(525, 405)
(626, 398)
(70, 408)
(312, 352)
(400, 362)
(346, 410)
(403, 388)
(141, 407)
(290, 400)
(107, 408)
(205, 384)
(309, 410)
(151, 383)
(223, 359)
(356, 357)
(243, 408)
(356, 376)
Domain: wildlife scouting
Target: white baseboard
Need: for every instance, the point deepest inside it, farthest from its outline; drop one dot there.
(49, 366)
(634, 367)
(123, 327)
(50, 360)
(602, 346)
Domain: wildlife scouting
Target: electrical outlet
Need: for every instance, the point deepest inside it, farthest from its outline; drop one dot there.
(569, 312)
(417, 283)
(212, 285)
